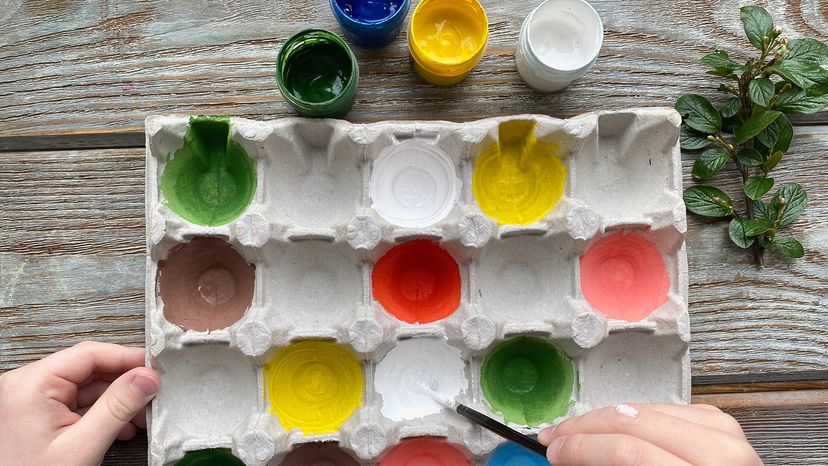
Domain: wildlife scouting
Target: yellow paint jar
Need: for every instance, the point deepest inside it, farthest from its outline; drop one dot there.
(446, 39)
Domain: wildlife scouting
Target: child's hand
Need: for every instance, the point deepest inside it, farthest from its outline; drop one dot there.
(68, 408)
(649, 435)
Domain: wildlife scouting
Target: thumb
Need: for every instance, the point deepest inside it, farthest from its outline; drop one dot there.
(121, 402)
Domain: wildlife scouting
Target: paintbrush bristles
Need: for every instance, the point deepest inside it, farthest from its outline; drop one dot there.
(448, 403)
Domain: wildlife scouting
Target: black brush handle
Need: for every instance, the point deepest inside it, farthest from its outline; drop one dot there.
(502, 430)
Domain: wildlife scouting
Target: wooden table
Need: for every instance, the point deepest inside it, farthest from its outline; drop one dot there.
(78, 78)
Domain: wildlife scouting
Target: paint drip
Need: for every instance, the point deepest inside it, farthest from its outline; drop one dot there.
(623, 276)
(205, 285)
(417, 282)
(519, 179)
(425, 451)
(318, 454)
(428, 361)
(314, 386)
(209, 457)
(528, 380)
(210, 180)
(510, 454)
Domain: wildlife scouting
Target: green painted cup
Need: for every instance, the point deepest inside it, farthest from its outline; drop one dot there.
(317, 74)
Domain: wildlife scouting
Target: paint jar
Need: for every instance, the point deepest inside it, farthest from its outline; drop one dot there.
(413, 184)
(317, 74)
(434, 451)
(370, 23)
(446, 39)
(510, 454)
(209, 457)
(559, 42)
(318, 453)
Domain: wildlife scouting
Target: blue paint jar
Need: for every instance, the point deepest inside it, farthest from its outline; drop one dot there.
(370, 23)
(510, 454)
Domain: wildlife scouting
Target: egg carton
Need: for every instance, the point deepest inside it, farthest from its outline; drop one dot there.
(313, 235)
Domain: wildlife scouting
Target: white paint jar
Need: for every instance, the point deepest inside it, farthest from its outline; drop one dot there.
(559, 42)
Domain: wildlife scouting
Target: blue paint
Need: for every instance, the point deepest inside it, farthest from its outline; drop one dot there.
(370, 23)
(510, 454)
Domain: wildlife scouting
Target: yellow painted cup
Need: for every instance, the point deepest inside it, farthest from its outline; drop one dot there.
(446, 39)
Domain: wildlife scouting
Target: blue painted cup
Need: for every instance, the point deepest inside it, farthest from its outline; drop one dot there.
(370, 23)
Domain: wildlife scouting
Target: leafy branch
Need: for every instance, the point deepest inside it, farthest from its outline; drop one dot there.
(751, 129)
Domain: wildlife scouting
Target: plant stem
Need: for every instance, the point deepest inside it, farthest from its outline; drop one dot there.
(758, 250)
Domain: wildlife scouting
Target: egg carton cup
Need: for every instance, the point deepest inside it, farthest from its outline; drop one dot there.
(314, 235)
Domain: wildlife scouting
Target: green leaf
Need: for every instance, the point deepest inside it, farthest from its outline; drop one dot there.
(798, 101)
(755, 124)
(807, 50)
(691, 139)
(789, 201)
(764, 210)
(807, 75)
(731, 107)
(707, 201)
(772, 161)
(757, 226)
(789, 247)
(749, 157)
(699, 114)
(736, 231)
(722, 64)
(778, 135)
(757, 186)
(761, 91)
(709, 162)
(758, 25)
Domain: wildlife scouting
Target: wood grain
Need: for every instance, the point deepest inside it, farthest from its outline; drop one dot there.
(72, 262)
(89, 68)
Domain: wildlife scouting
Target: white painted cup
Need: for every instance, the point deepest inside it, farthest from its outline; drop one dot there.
(559, 42)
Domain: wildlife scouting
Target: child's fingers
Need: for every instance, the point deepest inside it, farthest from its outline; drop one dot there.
(89, 394)
(78, 363)
(116, 408)
(127, 432)
(140, 419)
(608, 450)
(677, 436)
(705, 415)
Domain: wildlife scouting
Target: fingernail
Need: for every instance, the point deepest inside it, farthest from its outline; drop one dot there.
(554, 450)
(545, 436)
(144, 385)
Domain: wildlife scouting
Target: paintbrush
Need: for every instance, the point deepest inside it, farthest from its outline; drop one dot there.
(485, 421)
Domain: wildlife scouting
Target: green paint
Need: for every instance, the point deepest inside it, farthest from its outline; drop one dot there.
(317, 74)
(211, 457)
(210, 180)
(528, 380)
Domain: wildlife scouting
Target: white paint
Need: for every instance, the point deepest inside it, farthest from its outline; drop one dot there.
(417, 373)
(413, 184)
(559, 42)
(627, 410)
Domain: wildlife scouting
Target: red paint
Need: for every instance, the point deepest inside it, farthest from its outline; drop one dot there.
(425, 451)
(417, 282)
(623, 276)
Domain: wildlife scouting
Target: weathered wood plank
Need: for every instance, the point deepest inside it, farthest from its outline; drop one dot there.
(100, 67)
(782, 434)
(72, 261)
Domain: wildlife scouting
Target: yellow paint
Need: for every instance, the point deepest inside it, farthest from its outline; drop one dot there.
(519, 179)
(314, 386)
(447, 38)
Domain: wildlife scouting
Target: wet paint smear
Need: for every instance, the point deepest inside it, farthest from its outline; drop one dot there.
(210, 457)
(518, 180)
(417, 282)
(319, 72)
(528, 380)
(425, 451)
(319, 454)
(448, 32)
(205, 285)
(429, 361)
(210, 180)
(509, 454)
(623, 276)
(314, 386)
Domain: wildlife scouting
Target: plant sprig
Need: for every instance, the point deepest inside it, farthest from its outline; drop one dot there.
(752, 130)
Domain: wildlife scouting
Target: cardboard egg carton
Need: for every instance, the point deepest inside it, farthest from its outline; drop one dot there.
(313, 235)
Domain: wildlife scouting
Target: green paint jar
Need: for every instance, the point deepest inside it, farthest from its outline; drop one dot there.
(210, 457)
(210, 180)
(317, 74)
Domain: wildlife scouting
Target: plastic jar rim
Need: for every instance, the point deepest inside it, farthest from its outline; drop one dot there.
(529, 51)
(473, 58)
(394, 18)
